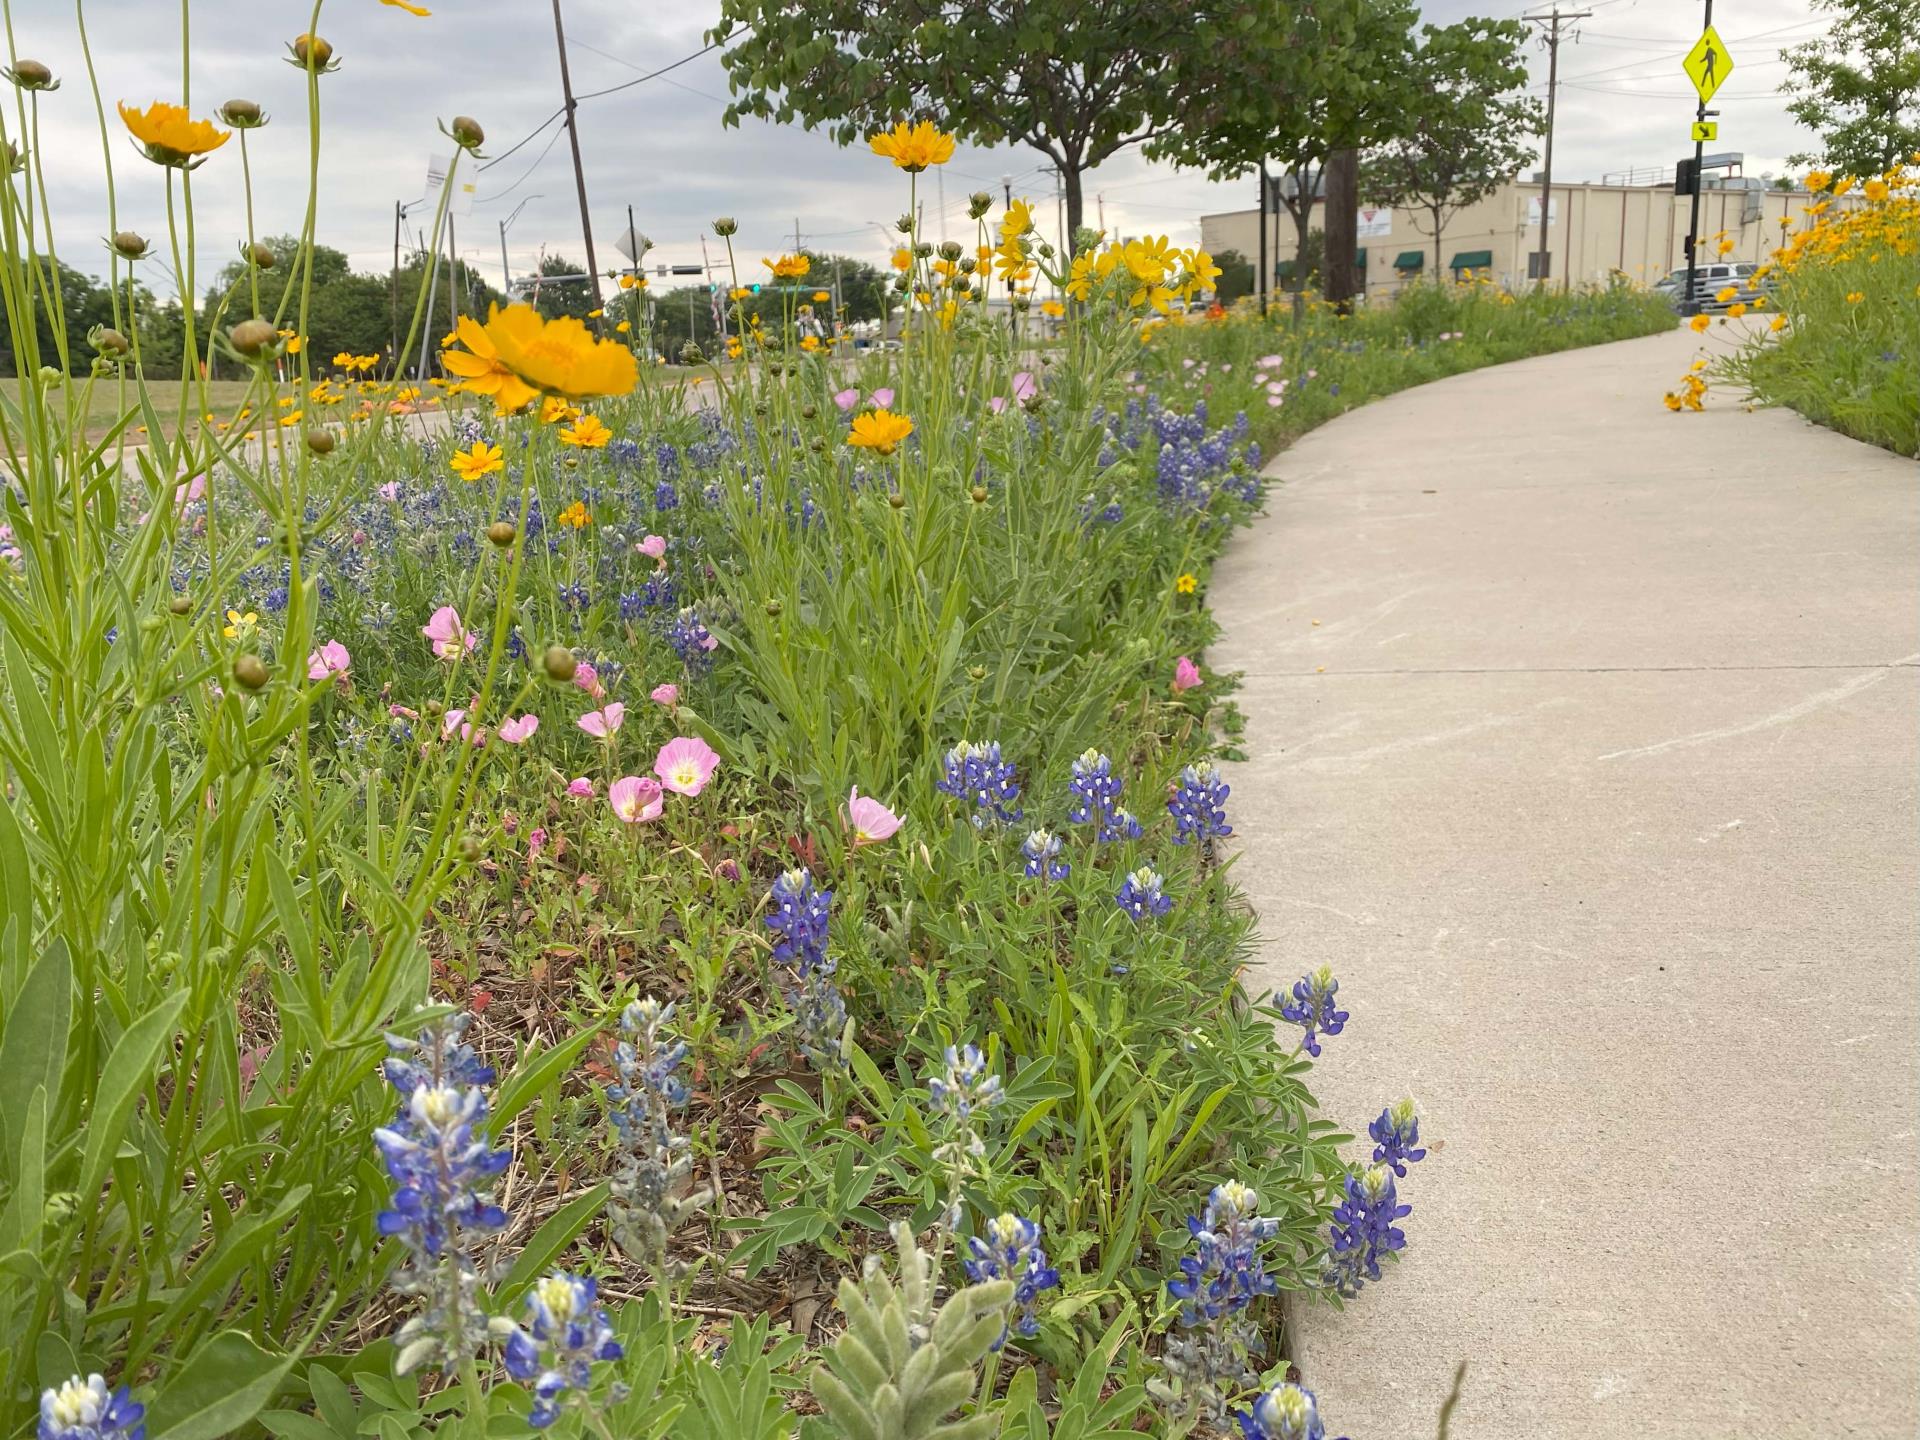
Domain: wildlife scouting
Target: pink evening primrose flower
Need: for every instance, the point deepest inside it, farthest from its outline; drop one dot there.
(536, 842)
(1269, 362)
(447, 637)
(1025, 387)
(588, 679)
(685, 764)
(665, 695)
(1186, 675)
(457, 720)
(581, 788)
(997, 404)
(519, 729)
(847, 399)
(870, 821)
(601, 724)
(330, 659)
(390, 490)
(636, 798)
(882, 398)
(653, 547)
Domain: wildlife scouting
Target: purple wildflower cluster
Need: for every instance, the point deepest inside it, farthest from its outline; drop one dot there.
(978, 775)
(553, 1353)
(1010, 1250)
(1198, 806)
(1041, 850)
(1141, 895)
(799, 915)
(651, 1160)
(1313, 1009)
(1286, 1412)
(88, 1410)
(1096, 799)
(1209, 1353)
(1364, 1230)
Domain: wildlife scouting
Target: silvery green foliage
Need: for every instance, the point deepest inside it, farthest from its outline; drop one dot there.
(903, 1365)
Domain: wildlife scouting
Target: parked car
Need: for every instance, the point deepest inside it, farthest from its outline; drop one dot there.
(1710, 280)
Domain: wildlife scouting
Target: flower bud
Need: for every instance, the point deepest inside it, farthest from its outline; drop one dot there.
(691, 354)
(321, 442)
(250, 670)
(950, 250)
(904, 224)
(817, 445)
(180, 606)
(923, 249)
(979, 494)
(978, 204)
(243, 114)
(897, 500)
(109, 341)
(467, 133)
(32, 75)
(725, 225)
(130, 245)
(310, 52)
(259, 256)
(253, 337)
(559, 663)
(976, 672)
(501, 533)
(807, 412)
(52, 376)
(469, 849)
(773, 607)
(968, 265)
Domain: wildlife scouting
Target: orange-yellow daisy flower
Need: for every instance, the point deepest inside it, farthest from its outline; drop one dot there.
(170, 136)
(879, 430)
(482, 459)
(482, 372)
(913, 147)
(586, 433)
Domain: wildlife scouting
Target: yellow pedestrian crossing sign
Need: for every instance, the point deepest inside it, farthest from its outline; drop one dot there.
(1707, 64)
(1704, 130)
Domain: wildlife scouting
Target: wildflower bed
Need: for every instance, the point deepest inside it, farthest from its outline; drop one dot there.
(602, 915)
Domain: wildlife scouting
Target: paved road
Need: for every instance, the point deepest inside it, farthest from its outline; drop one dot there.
(1583, 744)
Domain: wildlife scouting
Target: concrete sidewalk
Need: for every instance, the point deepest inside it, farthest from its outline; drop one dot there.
(1585, 744)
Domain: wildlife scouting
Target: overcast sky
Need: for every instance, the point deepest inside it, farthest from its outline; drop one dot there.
(660, 147)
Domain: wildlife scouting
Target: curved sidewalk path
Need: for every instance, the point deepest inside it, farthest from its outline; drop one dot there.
(1584, 742)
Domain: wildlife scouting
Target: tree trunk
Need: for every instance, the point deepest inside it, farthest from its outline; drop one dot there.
(1076, 201)
(1341, 226)
(1437, 263)
(1301, 207)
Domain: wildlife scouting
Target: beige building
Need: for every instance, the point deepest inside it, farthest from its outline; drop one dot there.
(1593, 230)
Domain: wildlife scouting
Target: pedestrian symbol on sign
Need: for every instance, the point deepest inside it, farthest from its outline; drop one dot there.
(1708, 64)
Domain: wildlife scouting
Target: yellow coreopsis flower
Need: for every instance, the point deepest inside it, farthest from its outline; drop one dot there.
(170, 136)
(623, 327)
(1726, 247)
(1017, 221)
(1010, 261)
(879, 430)
(595, 314)
(1734, 312)
(1818, 180)
(789, 267)
(560, 357)
(1053, 308)
(239, 626)
(586, 433)
(809, 342)
(913, 148)
(1186, 584)
(903, 259)
(482, 371)
(1875, 190)
(555, 411)
(1855, 297)
(1779, 323)
(482, 459)
(1843, 185)
(575, 516)
(1699, 323)
(1727, 294)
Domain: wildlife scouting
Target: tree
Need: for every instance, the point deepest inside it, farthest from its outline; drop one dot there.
(1466, 134)
(1236, 276)
(1858, 86)
(557, 297)
(1331, 76)
(1077, 82)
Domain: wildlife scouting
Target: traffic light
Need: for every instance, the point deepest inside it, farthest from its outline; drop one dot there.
(1686, 178)
(755, 287)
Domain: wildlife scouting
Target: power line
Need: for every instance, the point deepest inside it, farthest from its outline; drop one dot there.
(650, 75)
(526, 174)
(523, 140)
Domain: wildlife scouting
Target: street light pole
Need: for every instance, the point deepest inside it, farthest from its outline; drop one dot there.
(506, 272)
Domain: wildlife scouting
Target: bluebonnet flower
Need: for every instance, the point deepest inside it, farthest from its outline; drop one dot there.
(1285, 1412)
(442, 1171)
(1198, 805)
(658, 593)
(1040, 849)
(799, 915)
(977, 774)
(1010, 1250)
(88, 1410)
(1395, 1135)
(800, 912)
(1120, 825)
(1141, 896)
(1363, 1230)
(665, 497)
(652, 1160)
(573, 597)
(1210, 1350)
(1225, 1272)
(1095, 788)
(565, 1332)
(690, 640)
(961, 1093)
(1312, 1007)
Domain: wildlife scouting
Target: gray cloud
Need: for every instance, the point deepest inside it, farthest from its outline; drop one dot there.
(659, 146)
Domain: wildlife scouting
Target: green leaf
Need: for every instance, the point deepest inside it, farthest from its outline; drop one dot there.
(560, 1231)
(225, 1384)
(128, 1072)
(33, 1050)
(536, 1071)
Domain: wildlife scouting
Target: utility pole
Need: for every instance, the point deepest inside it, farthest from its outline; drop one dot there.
(1551, 24)
(796, 235)
(393, 279)
(453, 277)
(719, 310)
(1340, 225)
(573, 140)
(1260, 275)
(1101, 202)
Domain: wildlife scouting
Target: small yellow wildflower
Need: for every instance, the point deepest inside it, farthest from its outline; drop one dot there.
(482, 459)
(1700, 324)
(239, 626)
(1186, 584)
(169, 136)
(913, 148)
(586, 433)
(575, 516)
(879, 430)
(789, 267)
(1818, 180)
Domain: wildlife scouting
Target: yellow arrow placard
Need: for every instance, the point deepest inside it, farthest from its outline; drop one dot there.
(1704, 130)
(1708, 64)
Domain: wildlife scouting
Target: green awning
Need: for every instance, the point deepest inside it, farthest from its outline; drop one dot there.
(1410, 260)
(1284, 270)
(1473, 260)
(1360, 259)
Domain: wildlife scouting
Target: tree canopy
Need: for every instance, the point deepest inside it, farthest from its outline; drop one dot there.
(1077, 82)
(1858, 86)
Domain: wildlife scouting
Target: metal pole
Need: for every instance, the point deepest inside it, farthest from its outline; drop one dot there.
(453, 277)
(1552, 22)
(393, 284)
(1260, 276)
(1690, 302)
(506, 275)
(573, 141)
